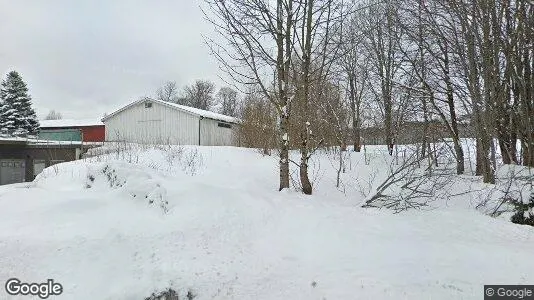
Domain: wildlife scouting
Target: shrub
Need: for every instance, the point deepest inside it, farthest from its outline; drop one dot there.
(170, 294)
(524, 212)
(112, 177)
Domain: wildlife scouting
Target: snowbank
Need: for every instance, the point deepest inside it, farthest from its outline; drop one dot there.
(218, 227)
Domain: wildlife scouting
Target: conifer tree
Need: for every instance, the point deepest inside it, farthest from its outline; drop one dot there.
(16, 113)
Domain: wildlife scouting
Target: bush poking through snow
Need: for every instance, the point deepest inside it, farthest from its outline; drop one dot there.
(111, 175)
(171, 153)
(90, 180)
(190, 295)
(130, 180)
(157, 196)
(524, 212)
(192, 161)
(189, 160)
(171, 294)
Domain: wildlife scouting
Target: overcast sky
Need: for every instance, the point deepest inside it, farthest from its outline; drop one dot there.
(87, 57)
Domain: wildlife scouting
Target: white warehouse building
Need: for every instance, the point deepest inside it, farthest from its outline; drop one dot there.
(157, 122)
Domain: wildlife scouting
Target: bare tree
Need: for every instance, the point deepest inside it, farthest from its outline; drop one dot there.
(227, 99)
(354, 67)
(200, 94)
(425, 62)
(53, 115)
(383, 35)
(470, 46)
(427, 51)
(315, 52)
(168, 92)
(521, 58)
(336, 115)
(257, 51)
(258, 123)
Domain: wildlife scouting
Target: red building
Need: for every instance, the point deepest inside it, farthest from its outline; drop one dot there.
(86, 130)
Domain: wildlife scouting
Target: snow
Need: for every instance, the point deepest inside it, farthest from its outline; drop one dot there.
(141, 219)
(70, 123)
(34, 141)
(201, 112)
(9, 138)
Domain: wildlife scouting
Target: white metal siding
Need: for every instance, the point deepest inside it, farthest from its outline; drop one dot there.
(213, 135)
(157, 124)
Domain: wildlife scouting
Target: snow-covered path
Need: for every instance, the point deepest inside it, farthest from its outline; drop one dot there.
(229, 235)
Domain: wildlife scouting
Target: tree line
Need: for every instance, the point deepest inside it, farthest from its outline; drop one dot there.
(318, 71)
(201, 94)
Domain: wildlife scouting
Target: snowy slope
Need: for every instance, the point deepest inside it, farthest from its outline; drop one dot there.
(209, 219)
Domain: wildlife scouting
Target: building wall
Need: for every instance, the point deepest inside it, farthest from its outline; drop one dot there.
(60, 134)
(89, 133)
(158, 124)
(211, 134)
(411, 133)
(93, 133)
(161, 125)
(32, 155)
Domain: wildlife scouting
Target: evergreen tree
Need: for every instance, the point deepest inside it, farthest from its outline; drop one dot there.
(8, 115)
(16, 112)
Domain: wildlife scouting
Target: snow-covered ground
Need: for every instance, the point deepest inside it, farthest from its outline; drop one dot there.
(210, 220)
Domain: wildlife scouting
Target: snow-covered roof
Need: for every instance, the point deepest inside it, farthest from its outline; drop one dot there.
(12, 139)
(204, 113)
(34, 141)
(70, 123)
(195, 111)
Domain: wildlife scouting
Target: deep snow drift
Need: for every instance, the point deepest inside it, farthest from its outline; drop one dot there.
(209, 219)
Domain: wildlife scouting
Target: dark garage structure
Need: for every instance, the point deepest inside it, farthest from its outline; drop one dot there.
(22, 159)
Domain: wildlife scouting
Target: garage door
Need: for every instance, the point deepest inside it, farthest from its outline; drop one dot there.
(12, 171)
